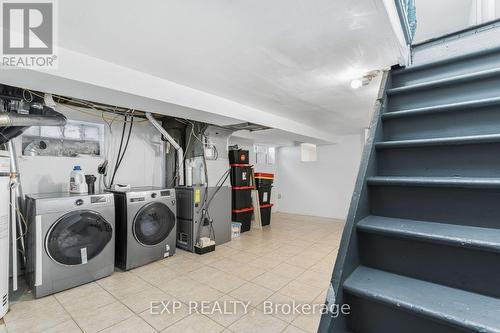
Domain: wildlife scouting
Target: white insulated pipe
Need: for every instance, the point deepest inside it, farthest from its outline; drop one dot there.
(13, 219)
(9, 119)
(14, 169)
(177, 147)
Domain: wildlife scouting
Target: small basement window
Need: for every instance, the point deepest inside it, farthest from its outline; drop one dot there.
(264, 154)
(76, 139)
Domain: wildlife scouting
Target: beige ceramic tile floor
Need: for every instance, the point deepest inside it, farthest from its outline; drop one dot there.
(291, 260)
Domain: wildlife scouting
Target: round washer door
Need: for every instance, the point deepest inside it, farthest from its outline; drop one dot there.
(153, 223)
(78, 237)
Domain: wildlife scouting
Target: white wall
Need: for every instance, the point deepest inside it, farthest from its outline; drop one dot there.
(141, 166)
(322, 188)
(436, 18)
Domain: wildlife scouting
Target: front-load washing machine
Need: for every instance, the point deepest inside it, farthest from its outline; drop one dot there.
(145, 226)
(70, 240)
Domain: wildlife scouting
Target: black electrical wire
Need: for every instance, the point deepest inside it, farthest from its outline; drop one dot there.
(121, 154)
(119, 151)
(205, 215)
(128, 139)
(218, 187)
(201, 133)
(206, 204)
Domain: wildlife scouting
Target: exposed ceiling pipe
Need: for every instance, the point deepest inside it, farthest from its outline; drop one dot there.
(13, 124)
(18, 191)
(12, 119)
(180, 151)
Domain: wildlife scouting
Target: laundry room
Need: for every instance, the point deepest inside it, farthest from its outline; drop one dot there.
(284, 166)
(100, 203)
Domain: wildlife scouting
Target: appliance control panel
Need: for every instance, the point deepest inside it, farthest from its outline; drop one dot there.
(98, 199)
(68, 202)
(165, 193)
(134, 197)
(92, 200)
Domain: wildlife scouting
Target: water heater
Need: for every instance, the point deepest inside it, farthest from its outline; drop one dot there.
(4, 231)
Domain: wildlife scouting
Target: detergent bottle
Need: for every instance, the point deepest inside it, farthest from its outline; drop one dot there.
(77, 182)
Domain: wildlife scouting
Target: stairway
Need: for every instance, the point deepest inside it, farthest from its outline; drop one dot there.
(421, 248)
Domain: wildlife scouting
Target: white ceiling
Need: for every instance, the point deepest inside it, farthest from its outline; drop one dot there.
(276, 137)
(293, 58)
(282, 63)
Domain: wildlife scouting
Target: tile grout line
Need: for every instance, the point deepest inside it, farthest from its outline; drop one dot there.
(69, 314)
(135, 314)
(249, 246)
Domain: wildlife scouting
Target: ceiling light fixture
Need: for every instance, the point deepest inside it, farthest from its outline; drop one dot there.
(363, 81)
(358, 83)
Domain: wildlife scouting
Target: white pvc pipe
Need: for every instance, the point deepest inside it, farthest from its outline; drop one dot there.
(13, 215)
(180, 151)
(14, 169)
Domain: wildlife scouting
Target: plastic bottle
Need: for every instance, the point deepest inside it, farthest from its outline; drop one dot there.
(77, 181)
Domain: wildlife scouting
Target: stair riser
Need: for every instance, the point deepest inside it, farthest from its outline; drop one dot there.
(467, 122)
(446, 94)
(458, 267)
(469, 206)
(471, 160)
(371, 317)
(448, 70)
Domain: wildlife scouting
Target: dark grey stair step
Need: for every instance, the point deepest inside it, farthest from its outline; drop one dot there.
(458, 140)
(455, 235)
(442, 108)
(463, 182)
(469, 63)
(461, 309)
(469, 159)
(440, 63)
(444, 82)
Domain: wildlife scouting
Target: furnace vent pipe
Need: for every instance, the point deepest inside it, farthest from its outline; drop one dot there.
(12, 119)
(180, 151)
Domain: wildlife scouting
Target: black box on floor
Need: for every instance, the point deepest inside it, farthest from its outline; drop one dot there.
(238, 156)
(263, 179)
(265, 214)
(265, 194)
(242, 197)
(243, 216)
(240, 174)
(203, 250)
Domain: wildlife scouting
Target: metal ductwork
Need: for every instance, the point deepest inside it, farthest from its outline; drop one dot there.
(177, 147)
(13, 124)
(11, 119)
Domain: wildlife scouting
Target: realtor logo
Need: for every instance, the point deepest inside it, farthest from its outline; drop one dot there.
(28, 34)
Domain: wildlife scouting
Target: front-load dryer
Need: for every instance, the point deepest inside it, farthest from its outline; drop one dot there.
(145, 226)
(70, 240)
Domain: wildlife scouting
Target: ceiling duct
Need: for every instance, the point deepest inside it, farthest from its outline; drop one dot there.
(246, 127)
(177, 147)
(13, 124)
(49, 117)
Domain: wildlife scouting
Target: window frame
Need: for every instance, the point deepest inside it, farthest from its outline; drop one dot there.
(266, 150)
